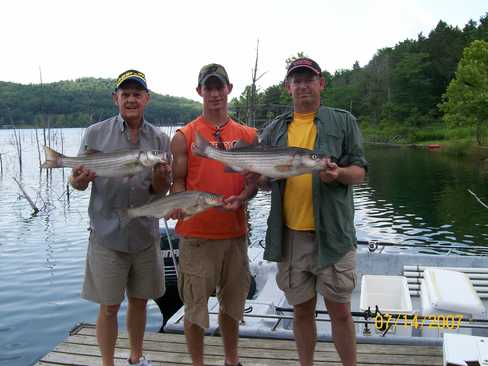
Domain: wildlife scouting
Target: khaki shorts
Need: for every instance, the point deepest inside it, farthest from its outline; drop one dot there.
(209, 265)
(109, 273)
(301, 278)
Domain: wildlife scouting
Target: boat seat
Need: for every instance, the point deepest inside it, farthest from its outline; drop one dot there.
(478, 277)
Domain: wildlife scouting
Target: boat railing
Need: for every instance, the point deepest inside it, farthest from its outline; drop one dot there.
(374, 245)
(369, 318)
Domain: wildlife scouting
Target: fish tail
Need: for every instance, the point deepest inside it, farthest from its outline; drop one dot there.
(53, 158)
(200, 146)
(124, 217)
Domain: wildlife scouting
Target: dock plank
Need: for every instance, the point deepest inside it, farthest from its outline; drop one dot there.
(261, 344)
(80, 349)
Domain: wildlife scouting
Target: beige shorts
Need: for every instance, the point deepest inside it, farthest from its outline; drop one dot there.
(301, 278)
(109, 273)
(213, 265)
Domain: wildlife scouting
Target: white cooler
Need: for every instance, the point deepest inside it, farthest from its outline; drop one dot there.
(459, 349)
(391, 295)
(447, 292)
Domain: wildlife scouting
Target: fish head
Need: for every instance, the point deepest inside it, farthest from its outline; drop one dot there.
(151, 158)
(315, 161)
(212, 200)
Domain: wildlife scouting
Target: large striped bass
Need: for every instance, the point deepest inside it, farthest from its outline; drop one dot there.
(115, 164)
(190, 202)
(269, 161)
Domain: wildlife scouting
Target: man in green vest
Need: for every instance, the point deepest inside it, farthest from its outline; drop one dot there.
(311, 223)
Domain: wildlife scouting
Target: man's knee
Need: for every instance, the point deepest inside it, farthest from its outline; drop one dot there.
(305, 310)
(109, 311)
(136, 303)
(340, 312)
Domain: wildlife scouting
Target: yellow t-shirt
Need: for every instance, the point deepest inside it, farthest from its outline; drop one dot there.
(297, 201)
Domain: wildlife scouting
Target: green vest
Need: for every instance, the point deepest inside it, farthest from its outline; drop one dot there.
(338, 136)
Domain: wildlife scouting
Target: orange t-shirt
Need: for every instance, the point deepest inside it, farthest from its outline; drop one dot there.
(208, 175)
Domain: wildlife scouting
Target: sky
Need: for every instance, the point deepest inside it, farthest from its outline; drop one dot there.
(171, 40)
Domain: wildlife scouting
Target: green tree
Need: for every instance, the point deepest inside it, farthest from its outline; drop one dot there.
(466, 100)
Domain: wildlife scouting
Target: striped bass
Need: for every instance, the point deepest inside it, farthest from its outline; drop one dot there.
(190, 202)
(270, 161)
(116, 164)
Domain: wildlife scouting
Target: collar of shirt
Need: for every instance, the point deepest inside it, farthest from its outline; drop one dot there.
(122, 125)
(213, 127)
(289, 116)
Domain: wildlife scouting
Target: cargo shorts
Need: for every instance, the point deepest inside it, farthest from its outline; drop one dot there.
(109, 274)
(301, 277)
(213, 265)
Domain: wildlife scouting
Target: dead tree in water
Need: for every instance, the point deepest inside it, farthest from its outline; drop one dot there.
(18, 146)
(478, 199)
(33, 205)
(38, 148)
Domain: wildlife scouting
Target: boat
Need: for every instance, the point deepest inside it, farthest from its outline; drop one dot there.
(406, 294)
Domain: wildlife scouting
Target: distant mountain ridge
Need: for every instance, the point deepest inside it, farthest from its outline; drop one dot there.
(80, 102)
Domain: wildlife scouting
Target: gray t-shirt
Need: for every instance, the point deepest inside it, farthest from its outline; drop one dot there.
(110, 194)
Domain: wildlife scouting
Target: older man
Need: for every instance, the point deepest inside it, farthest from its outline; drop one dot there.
(123, 260)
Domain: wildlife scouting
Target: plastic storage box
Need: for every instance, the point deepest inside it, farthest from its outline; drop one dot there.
(448, 293)
(391, 295)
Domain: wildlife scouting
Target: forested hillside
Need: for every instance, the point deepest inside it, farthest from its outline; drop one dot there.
(401, 86)
(79, 103)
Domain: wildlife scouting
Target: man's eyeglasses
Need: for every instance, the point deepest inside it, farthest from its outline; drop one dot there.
(220, 143)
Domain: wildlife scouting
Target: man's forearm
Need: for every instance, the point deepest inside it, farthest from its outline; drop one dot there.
(263, 183)
(249, 192)
(178, 186)
(352, 174)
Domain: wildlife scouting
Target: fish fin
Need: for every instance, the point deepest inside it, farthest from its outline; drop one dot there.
(200, 145)
(283, 168)
(239, 144)
(90, 152)
(53, 158)
(124, 217)
(229, 169)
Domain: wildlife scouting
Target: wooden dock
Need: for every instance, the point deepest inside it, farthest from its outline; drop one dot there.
(80, 349)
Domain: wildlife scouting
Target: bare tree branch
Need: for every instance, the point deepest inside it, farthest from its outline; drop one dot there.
(480, 201)
(34, 207)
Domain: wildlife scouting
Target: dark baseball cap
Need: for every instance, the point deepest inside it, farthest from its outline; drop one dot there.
(304, 63)
(210, 70)
(132, 75)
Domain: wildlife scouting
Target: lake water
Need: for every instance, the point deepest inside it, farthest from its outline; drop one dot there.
(410, 196)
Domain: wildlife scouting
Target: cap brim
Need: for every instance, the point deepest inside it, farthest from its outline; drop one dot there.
(136, 79)
(218, 76)
(314, 70)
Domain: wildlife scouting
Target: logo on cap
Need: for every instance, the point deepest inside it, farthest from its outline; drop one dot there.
(210, 70)
(304, 63)
(134, 75)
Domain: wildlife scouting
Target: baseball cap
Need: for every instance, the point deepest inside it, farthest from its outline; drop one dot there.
(133, 75)
(210, 70)
(304, 63)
